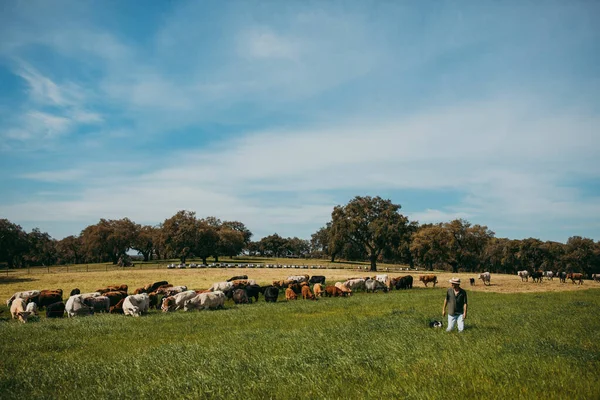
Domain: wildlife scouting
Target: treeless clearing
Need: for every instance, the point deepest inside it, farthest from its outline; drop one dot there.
(204, 278)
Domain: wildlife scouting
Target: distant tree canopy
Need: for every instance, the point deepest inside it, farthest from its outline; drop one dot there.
(366, 229)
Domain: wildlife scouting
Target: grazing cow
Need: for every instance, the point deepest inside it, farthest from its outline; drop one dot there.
(284, 283)
(485, 277)
(237, 278)
(524, 275)
(174, 290)
(22, 295)
(32, 308)
(317, 279)
(333, 291)
(596, 277)
(355, 284)
(113, 288)
(151, 287)
(562, 277)
(74, 292)
(271, 294)
(253, 291)
(91, 294)
(98, 304)
(153, 300)
(576, 276)
(115, 297)
(46, 297)
(222, 286)
(206, 301)
(75, 306)
(372, 285)
(117, 308)
(17, 310)
(536, 276)
(136, 304)
(306, 292)
(241, 297)
(549, 275)
(345, 289)
(177, 302)
(428, 278)
(298, 278)
(290, 294)
(56, 310)
(405, 282)
(318, 289)
(472, 281)
(163, 289)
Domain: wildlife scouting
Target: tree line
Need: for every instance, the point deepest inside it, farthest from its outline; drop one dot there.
(366, 229)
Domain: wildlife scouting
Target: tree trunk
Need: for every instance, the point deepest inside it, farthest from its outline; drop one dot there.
(216, 259)
(373, 263)
(333, 258)
(204, 260)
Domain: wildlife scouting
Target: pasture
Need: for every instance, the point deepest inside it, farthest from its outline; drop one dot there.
(539, 341)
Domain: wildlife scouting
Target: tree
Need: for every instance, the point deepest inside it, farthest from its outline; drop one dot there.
(13, 243)
(531, 253)
(181, 234)
(298, 247)
(41, 249)
(144, 241)
(466, 244)
(230, 242)
(108, 240)
(69, 250)
(581, 255)
(372, 223)
(239, 227)
(430, 246)
(319, 241)
(273, 245)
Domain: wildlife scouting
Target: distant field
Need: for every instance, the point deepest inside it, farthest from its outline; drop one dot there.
(521, 345)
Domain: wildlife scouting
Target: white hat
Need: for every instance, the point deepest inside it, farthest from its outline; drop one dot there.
(455, 280)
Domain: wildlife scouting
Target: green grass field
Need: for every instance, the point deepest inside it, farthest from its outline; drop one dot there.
(369, 346)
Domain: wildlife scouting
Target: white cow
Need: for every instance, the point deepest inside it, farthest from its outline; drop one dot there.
(549, 275)
(75, 306)
(32, 308)
(382, 278)
(18, 310)
(485, 277)
(355, 284)
(177, 302)
(136, 304)
(222, 286)
(22, 295)
(298, 278)
(373, 285)
(524, 275)
(203, 301)
(345, 289)
(91, 294)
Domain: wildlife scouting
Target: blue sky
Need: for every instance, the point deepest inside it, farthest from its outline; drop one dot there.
(272, 113)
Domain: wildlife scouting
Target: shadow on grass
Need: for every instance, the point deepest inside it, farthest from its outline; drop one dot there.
(14, 279)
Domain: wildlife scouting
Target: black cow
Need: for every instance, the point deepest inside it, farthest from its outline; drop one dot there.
(562, 276)
(56, 310)
(271, 293)
(75, 291)
(406, 282)
(253, 291)
(317, 279)
(472, 281)
(239, 277)
(537, 276)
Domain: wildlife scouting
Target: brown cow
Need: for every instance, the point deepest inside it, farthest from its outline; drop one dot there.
(289, 294)
(117, 308)
(333, 291)
(306, 292)
(576, 276)
(428, 278)
(115, 297)
(318, 289)
(46, 297)
(114, 288)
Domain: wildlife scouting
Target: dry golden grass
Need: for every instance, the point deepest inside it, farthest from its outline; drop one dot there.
(203, 278)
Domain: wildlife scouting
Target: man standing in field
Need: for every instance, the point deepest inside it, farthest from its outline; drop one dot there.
(456, 300)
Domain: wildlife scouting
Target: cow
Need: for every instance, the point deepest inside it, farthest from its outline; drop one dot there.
(46, 297)
(117, 308)
(472, 281)
(536, 276)
(32, 308)
(115, 297)
(151, 287)
(562, 277)
(136, 304)
(98, 304)
(317, 279)
(284, 283)
(307, 294)
(74, 292)
(298, 278)
(271, 294)
(22, 295)
(485, 277)
(153, 300)
(318, 289)
(345, 289)
(205, 301)
(576, 276)
(176, 302)
(56, 310)
(237, 278)
(524, 275)
(75, 306)
(253, 291)
(333, 291)
(355, 284)
(290, 294)
(163, 289)
(596, 277)
(241, 297)
(549, 275)
(90, 294)
(222, 286)
(17, 310)
(428, 278)
(372, 285)
(405, 282)
(174, 290)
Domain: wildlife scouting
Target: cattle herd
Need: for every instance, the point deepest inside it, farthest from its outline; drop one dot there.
(115, 299)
